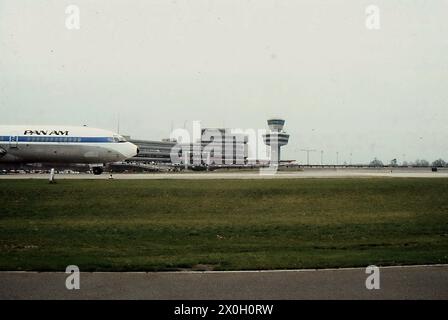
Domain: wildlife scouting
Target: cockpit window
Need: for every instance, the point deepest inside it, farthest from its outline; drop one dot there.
(118, 138)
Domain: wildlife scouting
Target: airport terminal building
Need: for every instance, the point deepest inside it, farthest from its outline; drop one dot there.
(153, 151)
(217, 147)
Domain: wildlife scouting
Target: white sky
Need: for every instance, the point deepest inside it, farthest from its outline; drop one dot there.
(340, 86)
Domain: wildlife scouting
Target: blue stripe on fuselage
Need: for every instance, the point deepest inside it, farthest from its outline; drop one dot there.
(60, 139)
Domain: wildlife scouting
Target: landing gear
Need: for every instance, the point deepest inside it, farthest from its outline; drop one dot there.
(97, 170)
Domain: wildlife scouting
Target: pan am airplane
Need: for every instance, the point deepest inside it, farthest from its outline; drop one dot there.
(63, 144)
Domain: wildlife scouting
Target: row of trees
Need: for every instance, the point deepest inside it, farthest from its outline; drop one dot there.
(439, 163)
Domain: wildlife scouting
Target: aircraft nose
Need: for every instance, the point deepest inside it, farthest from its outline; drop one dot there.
(131, 150)
(135, 150)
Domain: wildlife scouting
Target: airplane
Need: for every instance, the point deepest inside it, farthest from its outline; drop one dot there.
(63, 144)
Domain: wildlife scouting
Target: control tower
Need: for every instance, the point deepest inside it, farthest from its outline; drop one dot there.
(276, 138)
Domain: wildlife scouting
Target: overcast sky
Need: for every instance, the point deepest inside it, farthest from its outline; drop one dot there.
(153, 64)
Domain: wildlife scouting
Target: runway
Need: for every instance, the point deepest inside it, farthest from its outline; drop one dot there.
(307, 173)
(412, 282)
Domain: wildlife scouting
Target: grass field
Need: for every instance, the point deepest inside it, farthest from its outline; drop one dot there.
(222, 224)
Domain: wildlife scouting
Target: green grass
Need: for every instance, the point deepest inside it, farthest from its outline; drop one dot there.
(222, 224)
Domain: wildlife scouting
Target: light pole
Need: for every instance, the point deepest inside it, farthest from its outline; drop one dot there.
(308, 155)
(337, 157)
(321, 157)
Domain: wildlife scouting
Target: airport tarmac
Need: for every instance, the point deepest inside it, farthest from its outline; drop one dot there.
(307, 173)
(410, 282)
